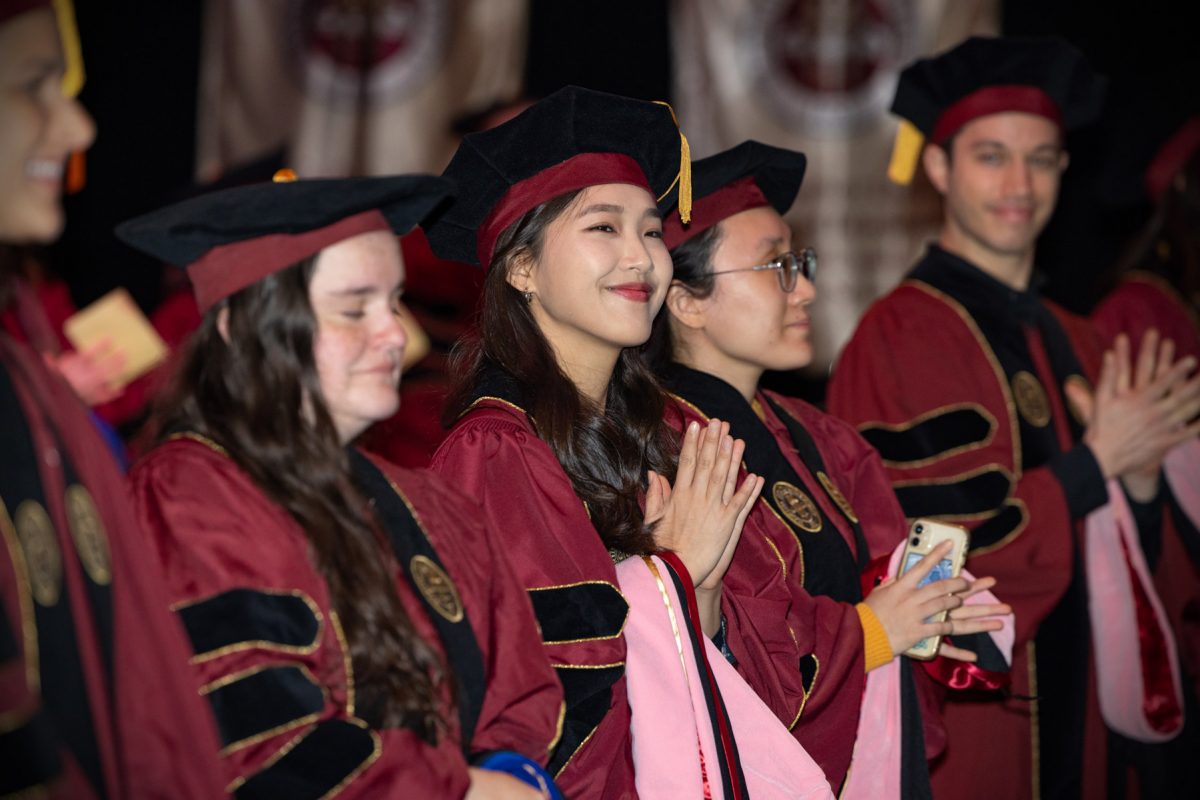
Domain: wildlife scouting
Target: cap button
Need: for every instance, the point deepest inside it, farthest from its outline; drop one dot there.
(285, 175)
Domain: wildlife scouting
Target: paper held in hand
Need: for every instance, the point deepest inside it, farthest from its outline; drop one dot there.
(118, 319)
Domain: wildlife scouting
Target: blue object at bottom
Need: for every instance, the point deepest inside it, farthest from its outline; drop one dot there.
(524, 769)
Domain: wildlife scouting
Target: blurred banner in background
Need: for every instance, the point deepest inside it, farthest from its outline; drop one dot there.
(818, 76)
(351, 87)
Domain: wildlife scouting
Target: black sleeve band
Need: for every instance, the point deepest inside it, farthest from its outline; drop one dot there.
(1149, 519)
(327, 758)
(1082, 481)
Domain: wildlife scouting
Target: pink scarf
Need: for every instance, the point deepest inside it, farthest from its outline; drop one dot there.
(1137, 667)
(875, 768)
(675, 753)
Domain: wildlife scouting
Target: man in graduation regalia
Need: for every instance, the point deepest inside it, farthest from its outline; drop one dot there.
(978, 394)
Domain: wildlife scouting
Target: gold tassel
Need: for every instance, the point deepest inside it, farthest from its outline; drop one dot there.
(285, 175)
(73, 75)
(905, 152)
(684, 178)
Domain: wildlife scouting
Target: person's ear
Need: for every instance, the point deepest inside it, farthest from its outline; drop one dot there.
(521, 273)
(936, 161)
(223, 323)
(686, 307)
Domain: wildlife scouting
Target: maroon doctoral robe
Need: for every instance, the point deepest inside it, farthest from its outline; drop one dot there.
(96, 699)
(494, 454)
(1144, 300)
(1140, 302)
(958, 381)
(271, 654)
(824, 624)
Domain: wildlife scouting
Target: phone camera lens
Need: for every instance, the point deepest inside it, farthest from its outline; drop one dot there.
(919, 529)
(916, 541)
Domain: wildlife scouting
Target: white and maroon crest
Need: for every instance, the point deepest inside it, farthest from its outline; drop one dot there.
(378, 50)
(828, 65)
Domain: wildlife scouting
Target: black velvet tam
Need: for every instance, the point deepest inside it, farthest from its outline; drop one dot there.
(182, 233)
(930, 89)
(570, 140)
(749, 175)
(233, 238)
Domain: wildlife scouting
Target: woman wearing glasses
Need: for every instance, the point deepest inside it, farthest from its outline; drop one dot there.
(737, 307)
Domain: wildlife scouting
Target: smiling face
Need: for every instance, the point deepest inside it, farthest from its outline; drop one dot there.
(40, 128)
(600, 275)
(1000, 185)
(355, 294)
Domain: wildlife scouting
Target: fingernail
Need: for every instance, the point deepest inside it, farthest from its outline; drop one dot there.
(693, 426)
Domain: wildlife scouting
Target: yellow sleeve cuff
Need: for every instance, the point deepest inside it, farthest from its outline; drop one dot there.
(877, 650)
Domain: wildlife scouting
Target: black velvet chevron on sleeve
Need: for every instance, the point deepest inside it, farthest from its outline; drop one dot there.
(588, 695)
(992, 530)
(242, 616)
(939, 434)
(977, 494)
(579, 612)
(312, 769)
(264, 701)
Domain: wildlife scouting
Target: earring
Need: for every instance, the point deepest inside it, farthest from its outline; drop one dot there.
(528, 296)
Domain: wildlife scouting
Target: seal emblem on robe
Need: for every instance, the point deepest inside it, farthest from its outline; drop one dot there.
(88, 532)
(43, 559)
(436, 587)
(837, 496)
(797, 506)
(1031, 399)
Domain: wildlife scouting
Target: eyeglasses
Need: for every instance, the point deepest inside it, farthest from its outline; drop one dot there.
(790, 265)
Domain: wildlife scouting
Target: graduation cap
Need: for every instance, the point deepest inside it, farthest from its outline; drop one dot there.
(750, 175)
(937, 96)
(233, 238)
(570, 140)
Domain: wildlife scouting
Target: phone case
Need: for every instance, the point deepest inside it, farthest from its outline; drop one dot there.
(923, 536)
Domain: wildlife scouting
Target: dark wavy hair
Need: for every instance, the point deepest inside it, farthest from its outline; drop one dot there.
(605, 452)
(693, 270)
(249, 394)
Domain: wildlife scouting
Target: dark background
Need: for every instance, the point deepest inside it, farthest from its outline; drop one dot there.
(142, 59)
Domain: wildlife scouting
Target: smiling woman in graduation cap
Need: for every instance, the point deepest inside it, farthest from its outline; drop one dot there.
(345, 615)
(558, 429)
(95, 696)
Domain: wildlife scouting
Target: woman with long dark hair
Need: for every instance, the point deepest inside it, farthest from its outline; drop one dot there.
(354, 626)
(95, 696)
(739, 306)
(558, 430)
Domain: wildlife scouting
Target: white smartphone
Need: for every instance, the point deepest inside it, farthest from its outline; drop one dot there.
(923, 536)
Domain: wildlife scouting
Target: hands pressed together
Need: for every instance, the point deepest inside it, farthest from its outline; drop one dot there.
(700, 517)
